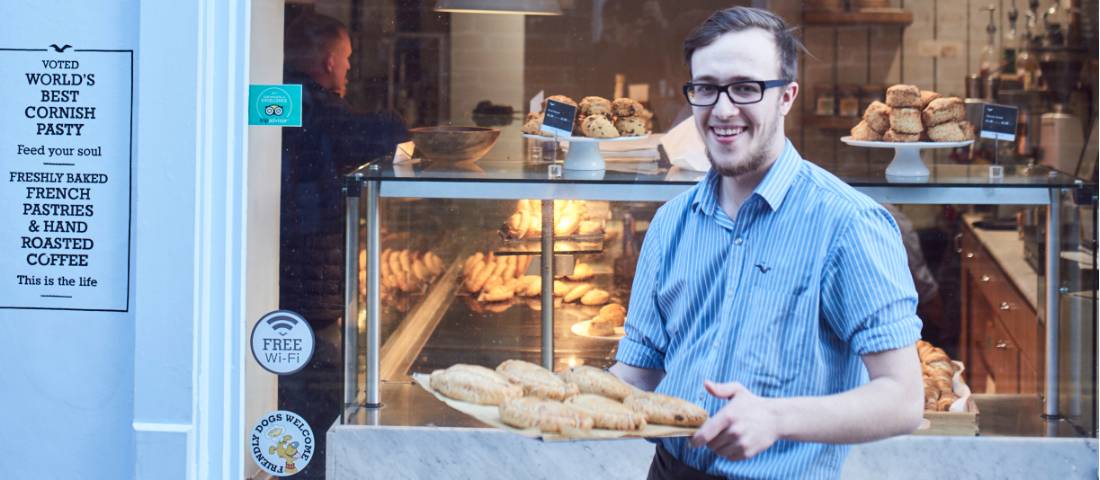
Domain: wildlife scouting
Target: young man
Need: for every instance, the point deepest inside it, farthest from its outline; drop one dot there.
(772, 294)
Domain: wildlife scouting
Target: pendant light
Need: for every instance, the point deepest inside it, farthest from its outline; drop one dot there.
(514, 7)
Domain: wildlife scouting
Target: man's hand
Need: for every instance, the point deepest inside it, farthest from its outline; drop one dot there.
(746, 426)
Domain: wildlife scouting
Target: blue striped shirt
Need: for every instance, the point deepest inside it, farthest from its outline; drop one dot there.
(785, 299)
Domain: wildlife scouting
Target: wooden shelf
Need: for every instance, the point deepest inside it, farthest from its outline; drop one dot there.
(879, 17)
(830, 123)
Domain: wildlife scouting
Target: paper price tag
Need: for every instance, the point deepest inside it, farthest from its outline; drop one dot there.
(999, 122)
(558, 119)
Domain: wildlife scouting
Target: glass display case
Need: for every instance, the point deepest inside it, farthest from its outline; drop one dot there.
(451, 216)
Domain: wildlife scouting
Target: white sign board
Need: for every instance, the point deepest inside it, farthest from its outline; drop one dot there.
(65, 160)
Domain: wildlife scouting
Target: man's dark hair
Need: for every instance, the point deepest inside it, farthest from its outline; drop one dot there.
(736, 19)
(308, 38)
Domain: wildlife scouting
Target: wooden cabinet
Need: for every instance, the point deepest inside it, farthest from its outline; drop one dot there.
(1002, 338)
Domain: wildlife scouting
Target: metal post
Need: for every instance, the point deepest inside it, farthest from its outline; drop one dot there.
(351, 292)
(374, 304)
(1054, 246)
(547, 272)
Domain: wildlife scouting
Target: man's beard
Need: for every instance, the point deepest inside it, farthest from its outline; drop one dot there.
(756, 159)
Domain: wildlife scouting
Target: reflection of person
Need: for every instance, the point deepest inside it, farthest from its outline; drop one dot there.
(334, 139)
(771, 294)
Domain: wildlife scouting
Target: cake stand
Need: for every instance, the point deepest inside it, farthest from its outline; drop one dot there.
(907, 164)
(584, 152)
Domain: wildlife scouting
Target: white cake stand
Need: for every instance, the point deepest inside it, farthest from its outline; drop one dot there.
(907, 163)
(584, 152)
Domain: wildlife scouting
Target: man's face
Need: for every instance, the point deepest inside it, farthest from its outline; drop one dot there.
(337, 65)
(741, 138)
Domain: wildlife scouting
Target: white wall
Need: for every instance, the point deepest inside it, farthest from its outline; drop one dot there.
(66, 377)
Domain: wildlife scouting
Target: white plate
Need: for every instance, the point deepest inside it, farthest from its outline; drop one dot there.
(878, 144)
(581, 329)
(587, 139)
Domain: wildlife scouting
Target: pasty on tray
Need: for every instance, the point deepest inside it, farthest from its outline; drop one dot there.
(595, 296)
(474, 384)
(607, 413)
(666, 410)
(546, 415)
(536, 381)
(577, 292)
(597, 381)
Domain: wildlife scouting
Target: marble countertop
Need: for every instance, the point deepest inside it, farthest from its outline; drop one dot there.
(1007, 249)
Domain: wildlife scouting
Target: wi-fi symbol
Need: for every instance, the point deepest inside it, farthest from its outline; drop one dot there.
(282, 325)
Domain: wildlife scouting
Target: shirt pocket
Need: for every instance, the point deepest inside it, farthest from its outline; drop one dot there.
(774, 333)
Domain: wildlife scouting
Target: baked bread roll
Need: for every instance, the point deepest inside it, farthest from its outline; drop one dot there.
(594, 106)
(545, 415)
(558, 98)
(561, 288)
(626, 107)
(474, 384)
(892, 136)
(595, 296)
(597, 381)
(947, 132)
(631, 126)
(529, 286)
(577, 292)
(905, 120)
(498, 293)
(536, 381)
(606, 413)
(943, 110)
(927, 96)
(598, 126)
(877, 117)
(903, 96)
(666, 410)
(581, 272)
(864, 132)
(601, 327)
(615, 313)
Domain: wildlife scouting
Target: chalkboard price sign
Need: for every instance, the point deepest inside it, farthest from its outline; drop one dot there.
(558, 119)
(999, 122)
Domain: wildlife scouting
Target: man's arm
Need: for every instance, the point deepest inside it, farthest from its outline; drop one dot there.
(892, 403)
(643, 378)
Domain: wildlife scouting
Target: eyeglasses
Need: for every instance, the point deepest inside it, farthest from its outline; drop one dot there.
(740, 93)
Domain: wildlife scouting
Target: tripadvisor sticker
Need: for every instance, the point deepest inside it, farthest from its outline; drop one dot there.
(281, 443)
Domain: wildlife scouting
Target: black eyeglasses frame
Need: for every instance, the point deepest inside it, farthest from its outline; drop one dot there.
(764, 86)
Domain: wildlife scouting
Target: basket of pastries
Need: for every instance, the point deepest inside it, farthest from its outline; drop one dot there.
(948, 408)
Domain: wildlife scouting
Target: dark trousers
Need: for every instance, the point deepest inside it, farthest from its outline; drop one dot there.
(667, 467)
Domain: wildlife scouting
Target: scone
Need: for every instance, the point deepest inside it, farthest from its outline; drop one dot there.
(559, 99)
(904, 96)
(666, 410)
(546, 415)
(614, 312)
(626, 107)
(535, 380)
(607, 413)
(595, 296)
(594, 106)
(474, 384)
(892, 136)
(927, 96)
(905, 120)
(597, 381)
(943, 110)
(598, 126)
(877, 117)
(631, 126)
(947, 132)
(534, 125)
(864, 132)
(601, 327)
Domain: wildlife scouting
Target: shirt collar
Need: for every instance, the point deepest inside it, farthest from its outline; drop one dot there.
(773, 188)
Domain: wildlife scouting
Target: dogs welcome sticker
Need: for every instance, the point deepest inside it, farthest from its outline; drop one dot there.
(281, 443)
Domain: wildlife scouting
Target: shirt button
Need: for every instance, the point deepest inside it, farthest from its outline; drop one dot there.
(716, 344)
(739, 241)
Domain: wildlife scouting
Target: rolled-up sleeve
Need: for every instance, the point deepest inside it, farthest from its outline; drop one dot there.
(868, 296)
(646, 341)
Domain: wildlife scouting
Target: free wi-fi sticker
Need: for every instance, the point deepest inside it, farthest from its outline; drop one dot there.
(282, 342)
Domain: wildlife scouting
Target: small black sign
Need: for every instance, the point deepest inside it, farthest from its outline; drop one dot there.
(559, 118)
(999, 122)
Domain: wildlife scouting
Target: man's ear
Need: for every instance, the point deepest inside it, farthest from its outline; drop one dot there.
(786, 99)
(330, 62)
